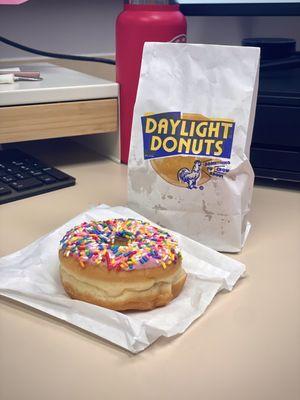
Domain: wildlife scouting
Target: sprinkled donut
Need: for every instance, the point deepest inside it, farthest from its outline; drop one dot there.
(121, 264)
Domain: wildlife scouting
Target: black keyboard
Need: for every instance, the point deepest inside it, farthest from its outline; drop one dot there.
(24, 176)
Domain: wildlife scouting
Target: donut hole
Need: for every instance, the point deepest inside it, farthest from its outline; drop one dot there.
(123, 238)
(120, 241)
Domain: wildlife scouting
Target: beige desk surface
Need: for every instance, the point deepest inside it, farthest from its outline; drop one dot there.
(246, 346)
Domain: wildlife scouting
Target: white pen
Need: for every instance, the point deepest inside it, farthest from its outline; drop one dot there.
(11, 78)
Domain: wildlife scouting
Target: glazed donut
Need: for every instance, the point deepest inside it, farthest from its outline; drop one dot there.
(121, 264)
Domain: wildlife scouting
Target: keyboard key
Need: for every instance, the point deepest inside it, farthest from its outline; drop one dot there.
(7, 178)
(22, 175)
(59, 175)
(38, 165)
(35, 172)
(12, 170)
(47, 179)
(4, 189)
(26, 184)
(17, 163)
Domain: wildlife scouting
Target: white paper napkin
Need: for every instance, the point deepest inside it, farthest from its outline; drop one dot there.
(31, 276)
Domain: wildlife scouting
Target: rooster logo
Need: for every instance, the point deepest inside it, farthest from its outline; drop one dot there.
(190, 177)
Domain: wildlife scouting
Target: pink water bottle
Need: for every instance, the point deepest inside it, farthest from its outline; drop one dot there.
(141, 21)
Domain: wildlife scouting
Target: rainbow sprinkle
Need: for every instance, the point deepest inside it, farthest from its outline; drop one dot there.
(122, 244)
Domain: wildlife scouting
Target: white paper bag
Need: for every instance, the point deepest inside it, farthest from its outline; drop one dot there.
(31, 276)
(189, 165)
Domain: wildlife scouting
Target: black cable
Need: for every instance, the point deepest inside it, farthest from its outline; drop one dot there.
(55, 55)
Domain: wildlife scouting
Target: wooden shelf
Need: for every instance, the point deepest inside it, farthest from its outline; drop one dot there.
(50, 120)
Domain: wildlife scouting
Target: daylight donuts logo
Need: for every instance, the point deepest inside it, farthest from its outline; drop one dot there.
(187, 149)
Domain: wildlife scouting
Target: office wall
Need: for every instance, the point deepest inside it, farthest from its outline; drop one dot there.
(87, 26)
(71, 26)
